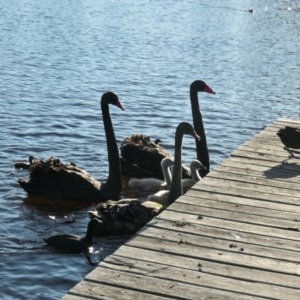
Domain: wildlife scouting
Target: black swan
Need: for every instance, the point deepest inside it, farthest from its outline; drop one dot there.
(55, 180)
(75, 244)
(201, 145)
(154, 184)
(140, 157)
(129, 215)
(290, 137)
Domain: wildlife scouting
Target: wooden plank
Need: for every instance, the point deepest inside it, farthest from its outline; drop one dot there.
(158, 286)
(276, 176)
(236, 239)
(240, 258)
(259, 149)
(245, 191)
(287, 172)
(238, 200)
(207, 266)
(258, 156)
(222, 244)
(236, 204)
(239, 216)
(285, 188)
(199, 218)
(91, 290)
(196, 277)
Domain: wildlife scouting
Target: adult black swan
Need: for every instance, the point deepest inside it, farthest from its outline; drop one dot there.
(129, 215)
(140, 157)
(55, 180)
(290, 137)
(201, 145)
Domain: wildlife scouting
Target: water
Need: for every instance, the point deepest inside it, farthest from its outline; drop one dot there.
(58, 57)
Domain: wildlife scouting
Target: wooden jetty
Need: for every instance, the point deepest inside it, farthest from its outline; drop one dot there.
(235, 235)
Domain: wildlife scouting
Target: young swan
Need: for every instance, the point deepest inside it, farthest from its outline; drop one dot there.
(168, 196)
(195, 167)
(153, 184)
(162, 195)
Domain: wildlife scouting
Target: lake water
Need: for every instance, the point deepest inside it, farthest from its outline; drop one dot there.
(58, 57)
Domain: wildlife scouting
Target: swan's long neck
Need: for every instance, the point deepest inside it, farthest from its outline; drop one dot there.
(201, 146)
(166, 165)
(90, 231)
(113, 185)
(176, 185)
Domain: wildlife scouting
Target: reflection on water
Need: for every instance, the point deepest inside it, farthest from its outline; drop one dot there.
(58, 57)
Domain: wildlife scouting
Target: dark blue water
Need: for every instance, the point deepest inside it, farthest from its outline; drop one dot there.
(58, 57)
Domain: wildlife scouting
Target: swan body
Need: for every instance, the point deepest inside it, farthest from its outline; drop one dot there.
(290, 137)
(154, 184)
(125, 216)
(201, 145)
(160, 197)
(55, 180)
(75, 244)
(129, 215)
(141, 158)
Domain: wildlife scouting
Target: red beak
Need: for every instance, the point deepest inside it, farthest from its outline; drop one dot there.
(209, 90)
(119, 104)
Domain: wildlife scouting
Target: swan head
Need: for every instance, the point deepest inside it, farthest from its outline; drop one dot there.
(197, 165)
(167, 162)
(187, 128)
(201, 86)
(112, 98)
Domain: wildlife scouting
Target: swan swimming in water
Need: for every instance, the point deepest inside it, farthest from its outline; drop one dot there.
(75, 244)
(176, 188)
(153, 184)
(162, 195)
(53, 179)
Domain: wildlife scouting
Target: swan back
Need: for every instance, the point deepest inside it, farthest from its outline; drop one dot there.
(161, 197)
(290, 137)
(145, 184)
(154, 184)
